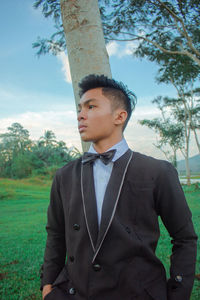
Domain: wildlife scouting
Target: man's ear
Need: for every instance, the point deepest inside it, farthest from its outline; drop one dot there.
(120, 116)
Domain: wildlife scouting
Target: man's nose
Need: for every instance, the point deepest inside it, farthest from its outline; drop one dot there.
(81, 115)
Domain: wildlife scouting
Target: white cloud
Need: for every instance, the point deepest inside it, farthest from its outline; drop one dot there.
(112, 48)
(149, 112)
(141, 138)
(65, 66)
(64, 124)
(128, 49)
(121, 49)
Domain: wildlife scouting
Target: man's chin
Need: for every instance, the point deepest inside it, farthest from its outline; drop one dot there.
(86, 139)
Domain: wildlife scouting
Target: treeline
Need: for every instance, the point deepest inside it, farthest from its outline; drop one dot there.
(22, 157)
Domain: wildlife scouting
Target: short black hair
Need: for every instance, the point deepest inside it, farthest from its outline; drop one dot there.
(110, 87)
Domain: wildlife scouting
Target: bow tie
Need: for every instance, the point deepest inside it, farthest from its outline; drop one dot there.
(105, 157)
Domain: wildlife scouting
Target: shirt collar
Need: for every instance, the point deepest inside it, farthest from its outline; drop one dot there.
(120, 147)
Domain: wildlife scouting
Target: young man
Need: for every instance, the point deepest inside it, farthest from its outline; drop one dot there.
(104, 208)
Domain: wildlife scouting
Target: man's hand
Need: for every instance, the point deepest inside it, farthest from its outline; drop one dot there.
(46, 290)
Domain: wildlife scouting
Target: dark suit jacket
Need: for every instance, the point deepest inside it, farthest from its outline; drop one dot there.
(117, 261)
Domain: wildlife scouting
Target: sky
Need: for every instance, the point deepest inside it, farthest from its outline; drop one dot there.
(37, 92)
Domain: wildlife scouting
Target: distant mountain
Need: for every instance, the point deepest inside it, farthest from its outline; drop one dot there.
(194, 162)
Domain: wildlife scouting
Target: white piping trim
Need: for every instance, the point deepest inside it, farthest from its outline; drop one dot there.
(114, 209)
(84, 208)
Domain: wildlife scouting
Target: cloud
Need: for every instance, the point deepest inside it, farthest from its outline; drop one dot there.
(121, 49)
(128, 49)
(142, 139)
(64, 124)
(112, 48)
(146, 111)
(63, 58)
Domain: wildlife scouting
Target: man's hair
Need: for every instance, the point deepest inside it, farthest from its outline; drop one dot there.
(117, 92)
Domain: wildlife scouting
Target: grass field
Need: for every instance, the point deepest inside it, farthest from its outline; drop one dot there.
(23, 205)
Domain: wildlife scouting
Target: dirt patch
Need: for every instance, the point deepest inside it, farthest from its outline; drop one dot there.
(3, 275)
(14, 262)
(32, 297)
(197, 276)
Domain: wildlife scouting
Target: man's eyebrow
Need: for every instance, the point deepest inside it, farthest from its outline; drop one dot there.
(86, 102)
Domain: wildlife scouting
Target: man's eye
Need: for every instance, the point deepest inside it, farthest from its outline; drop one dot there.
(91, 106)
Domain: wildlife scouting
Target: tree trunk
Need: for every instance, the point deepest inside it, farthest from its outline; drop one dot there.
(187, 131)
(85, 42)
(185, 153)
(196, 138)
(188, 175)
(187, 165)
(175, 158)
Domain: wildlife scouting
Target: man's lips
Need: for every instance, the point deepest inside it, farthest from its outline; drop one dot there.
(82, 128)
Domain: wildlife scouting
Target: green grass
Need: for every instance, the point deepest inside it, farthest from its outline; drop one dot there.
(22, 223)
(23, 205)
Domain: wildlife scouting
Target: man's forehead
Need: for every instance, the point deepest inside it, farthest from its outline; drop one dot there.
(87, 100)
(91, 95)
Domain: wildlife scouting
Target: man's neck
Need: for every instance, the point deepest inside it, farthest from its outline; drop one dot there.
(103, 146)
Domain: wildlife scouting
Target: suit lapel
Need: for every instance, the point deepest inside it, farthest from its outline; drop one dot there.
(112, 195)
(89, 202)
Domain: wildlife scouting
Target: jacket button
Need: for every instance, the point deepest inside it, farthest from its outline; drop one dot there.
(76, 226)
(178, 278)
(71, 258)
(97, 267)
(128, 230)
(72, 291)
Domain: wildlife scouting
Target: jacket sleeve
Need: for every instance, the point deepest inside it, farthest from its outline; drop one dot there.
(55, 252)
(177, 218)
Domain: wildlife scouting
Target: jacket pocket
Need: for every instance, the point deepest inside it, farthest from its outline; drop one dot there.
(157, 289)
(48, 296)
(62, 277)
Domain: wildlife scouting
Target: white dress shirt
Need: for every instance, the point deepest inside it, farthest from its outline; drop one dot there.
(102, 173)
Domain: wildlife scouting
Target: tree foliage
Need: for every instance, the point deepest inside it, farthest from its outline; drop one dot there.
(170, 131)
(179, 118)
(186, 108)
(56, 42)
(160, 27)
(22, 157)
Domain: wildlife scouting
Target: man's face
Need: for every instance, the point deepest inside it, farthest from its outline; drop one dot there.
(96, 118)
